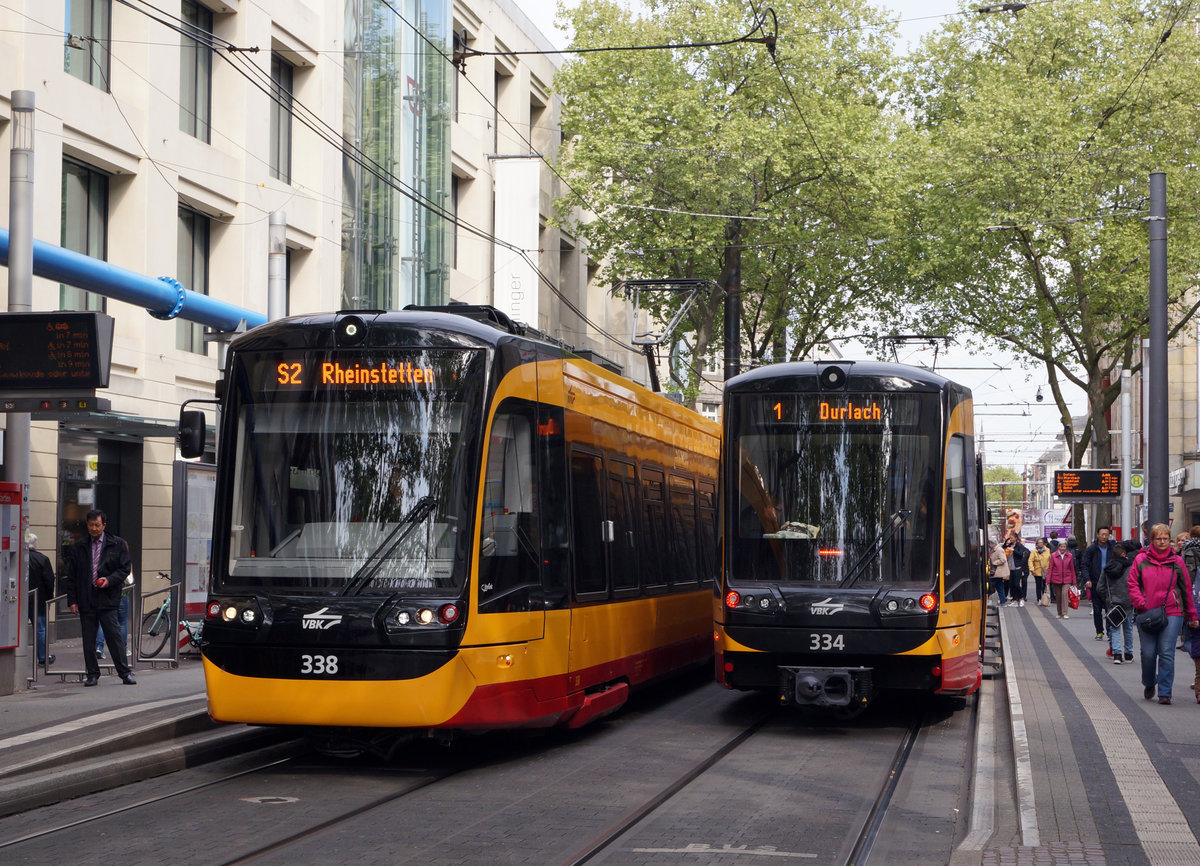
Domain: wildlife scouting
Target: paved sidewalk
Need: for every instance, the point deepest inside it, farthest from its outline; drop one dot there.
(1102, 775)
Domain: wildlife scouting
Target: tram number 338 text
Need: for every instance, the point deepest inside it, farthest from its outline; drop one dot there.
(824, 641)
(318, 665)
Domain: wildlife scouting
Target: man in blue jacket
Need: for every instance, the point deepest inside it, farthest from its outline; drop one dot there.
(1095, 558)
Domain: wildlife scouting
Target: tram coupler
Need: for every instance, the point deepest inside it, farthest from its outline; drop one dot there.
(825, 687)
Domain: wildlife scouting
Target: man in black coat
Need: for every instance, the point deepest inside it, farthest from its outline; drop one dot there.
(1018, 573)
(1095, 558)
(96, 570)
(41, 585)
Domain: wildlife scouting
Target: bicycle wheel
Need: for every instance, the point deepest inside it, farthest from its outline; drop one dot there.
(156, 629)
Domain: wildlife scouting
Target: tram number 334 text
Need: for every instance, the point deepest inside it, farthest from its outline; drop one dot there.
(318, 665)
(824, 641)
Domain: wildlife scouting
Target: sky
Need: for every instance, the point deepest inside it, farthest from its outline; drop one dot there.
(1014, 427)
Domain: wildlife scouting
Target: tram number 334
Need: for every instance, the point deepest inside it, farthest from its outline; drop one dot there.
(824, 641)
(318, 665)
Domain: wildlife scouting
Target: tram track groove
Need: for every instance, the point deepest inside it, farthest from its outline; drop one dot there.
(636, 816)
(147, 802)
(865, 841)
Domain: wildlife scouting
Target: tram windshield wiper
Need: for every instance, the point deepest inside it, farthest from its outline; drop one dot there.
(371, 565)
(896, 521)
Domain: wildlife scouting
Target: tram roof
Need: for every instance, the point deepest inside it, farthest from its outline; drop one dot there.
(881, 371)
(468, 322)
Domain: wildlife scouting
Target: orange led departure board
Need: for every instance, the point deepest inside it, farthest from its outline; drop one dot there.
(1080, 484)
(47, 352)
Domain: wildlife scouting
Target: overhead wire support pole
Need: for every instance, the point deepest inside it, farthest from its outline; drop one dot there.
(1157, 441)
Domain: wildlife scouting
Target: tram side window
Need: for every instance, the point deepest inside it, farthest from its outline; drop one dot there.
(654, 528)
(509, 547)
(959, 580)
(622, 511)
(683, 530)
(707, 526)
(552, 504)
(587, 513)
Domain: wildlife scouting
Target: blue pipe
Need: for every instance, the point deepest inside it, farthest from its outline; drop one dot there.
(163, 298)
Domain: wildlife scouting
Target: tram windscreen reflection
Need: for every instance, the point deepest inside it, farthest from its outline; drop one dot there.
(337, 478)
(839, 491)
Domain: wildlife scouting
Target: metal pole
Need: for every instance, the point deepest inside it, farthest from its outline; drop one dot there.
(733, 302)
(1157, 441)
(277, 266)
(1127, 517)
(20, 300)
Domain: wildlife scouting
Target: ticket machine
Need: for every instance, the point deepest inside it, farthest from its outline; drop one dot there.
(12, 601)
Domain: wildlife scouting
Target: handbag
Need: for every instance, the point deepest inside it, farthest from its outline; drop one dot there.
(1152, 621)
(1073, 597)
(1044, 601)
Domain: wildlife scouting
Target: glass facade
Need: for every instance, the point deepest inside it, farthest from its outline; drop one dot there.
(396, 159)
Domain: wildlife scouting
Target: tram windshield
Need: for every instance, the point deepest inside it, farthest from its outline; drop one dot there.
(350, 469)
(836, 490)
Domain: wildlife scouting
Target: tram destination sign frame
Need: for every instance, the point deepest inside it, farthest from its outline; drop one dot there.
(57, 351)
(1087, 485)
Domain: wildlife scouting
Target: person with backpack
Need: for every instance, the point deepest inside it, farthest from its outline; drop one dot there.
(1159, 578)
(1114, 587)
(1191, 636)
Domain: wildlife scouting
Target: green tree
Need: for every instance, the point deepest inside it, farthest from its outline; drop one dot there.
(1025, 224)
(691, 156)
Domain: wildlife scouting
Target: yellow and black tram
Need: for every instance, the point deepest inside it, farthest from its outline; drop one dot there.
(430, 519)
(852, 547)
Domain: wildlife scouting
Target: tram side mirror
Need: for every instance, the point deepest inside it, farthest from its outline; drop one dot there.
(191, 433)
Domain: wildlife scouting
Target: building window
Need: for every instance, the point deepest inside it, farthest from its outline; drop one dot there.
(89, 31)
(84, 226)
(193, 273)
(281, 119)
(195, 70)
(711, 411)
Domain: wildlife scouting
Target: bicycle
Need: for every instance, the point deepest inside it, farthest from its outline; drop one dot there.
(158, 625)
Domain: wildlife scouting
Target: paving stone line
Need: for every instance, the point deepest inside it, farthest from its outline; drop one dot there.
(1161, 827)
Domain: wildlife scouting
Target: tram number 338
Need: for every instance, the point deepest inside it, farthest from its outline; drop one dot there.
(318, 665)
(823, 641)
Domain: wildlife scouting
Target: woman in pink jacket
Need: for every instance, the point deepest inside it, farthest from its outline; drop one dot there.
(1061, 573)
(1154, 580)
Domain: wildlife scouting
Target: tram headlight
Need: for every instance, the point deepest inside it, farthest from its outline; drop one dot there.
(403, 617)
(229, 614)
(248, 616)
(425, 616)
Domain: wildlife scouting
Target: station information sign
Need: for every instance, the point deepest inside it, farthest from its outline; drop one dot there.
(1078, 485)
(56, 351)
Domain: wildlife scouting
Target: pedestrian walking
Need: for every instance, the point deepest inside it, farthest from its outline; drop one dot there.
(1060, 574)
(1094, 559)
(1114, 586)
(1191, 636)
(1018, 572)
(999, 558)
(41, 585)
(1159, 578)
(96, 570)
(1039, 559)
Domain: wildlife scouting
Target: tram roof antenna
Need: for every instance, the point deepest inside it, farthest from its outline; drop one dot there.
(934, 340)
